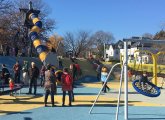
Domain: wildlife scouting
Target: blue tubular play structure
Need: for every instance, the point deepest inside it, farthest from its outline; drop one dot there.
(33, 35)
(151, 90)
(32, 22)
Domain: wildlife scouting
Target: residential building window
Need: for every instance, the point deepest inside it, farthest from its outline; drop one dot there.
(106, 55)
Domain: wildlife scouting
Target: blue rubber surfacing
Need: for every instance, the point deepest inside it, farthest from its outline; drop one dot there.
(81, 113)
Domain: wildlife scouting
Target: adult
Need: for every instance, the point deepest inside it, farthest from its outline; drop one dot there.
(13, 51)
(7, 50)
(29, 51)
(66, 81)
(49, 85)
(17, 71)
(23, 52)
(16, 51)
(25, 68)
(42, 74)
(33, 74)
(60, 65)
(5, 74)
(98, 70)
(73, 70)
(78, 69)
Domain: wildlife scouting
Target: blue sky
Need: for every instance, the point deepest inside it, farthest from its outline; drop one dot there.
(123, 18)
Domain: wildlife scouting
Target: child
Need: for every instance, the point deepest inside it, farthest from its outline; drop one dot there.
(144, 79)
(129, 75)
(66, 81)
(11, 85)
(104, 75)
(58, 75)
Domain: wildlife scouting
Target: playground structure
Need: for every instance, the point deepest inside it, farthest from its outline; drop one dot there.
(34, 24)
(16, 88)
(125, 71)
(125, 63)
(32, 21)
(43, 55)
(153, 70)
(155, 65)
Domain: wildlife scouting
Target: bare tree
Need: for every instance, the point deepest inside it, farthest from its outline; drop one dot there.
(5, 22)
(69, 42)
(100, 38)
(54, 41)
(48, 23)
(148, 35)
(83, 42)
(5, 6)
(77, 43)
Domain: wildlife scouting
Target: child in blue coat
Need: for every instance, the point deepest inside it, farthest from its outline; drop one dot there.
(104, 74)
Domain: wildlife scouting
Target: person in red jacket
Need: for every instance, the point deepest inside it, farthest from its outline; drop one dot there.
(17, 70)
(66, 80)
(78, 69)
(11, 86)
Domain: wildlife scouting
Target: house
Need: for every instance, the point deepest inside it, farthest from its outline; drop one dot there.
(114, 51)
(91, 53)
(134, 54)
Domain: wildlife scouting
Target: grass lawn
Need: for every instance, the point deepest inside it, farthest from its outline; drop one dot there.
(86, 67)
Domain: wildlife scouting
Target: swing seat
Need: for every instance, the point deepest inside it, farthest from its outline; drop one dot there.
(149, 90)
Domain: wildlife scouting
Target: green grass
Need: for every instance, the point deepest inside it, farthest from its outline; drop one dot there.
(147, 67)
(86, 67)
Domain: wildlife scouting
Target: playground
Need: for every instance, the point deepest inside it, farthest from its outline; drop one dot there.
(24, 107)
(30, 107)
(135, 91)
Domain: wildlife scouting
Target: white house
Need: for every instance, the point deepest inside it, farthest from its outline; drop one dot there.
(114, 51)
(134, 54)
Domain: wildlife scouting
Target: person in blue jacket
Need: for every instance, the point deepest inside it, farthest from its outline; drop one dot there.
(104, 74)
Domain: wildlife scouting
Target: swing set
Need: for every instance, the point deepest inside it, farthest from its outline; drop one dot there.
(149, 89)
(152, 89)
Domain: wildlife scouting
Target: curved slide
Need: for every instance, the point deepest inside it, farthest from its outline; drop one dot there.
(151, 90)
(45, 56)
(33, 35)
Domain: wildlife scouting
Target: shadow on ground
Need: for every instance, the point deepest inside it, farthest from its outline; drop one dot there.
(88, 79)
(14, 112)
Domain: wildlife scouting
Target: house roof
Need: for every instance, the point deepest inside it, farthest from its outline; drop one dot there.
(115, 45)
(120, 43)
(137, 44)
